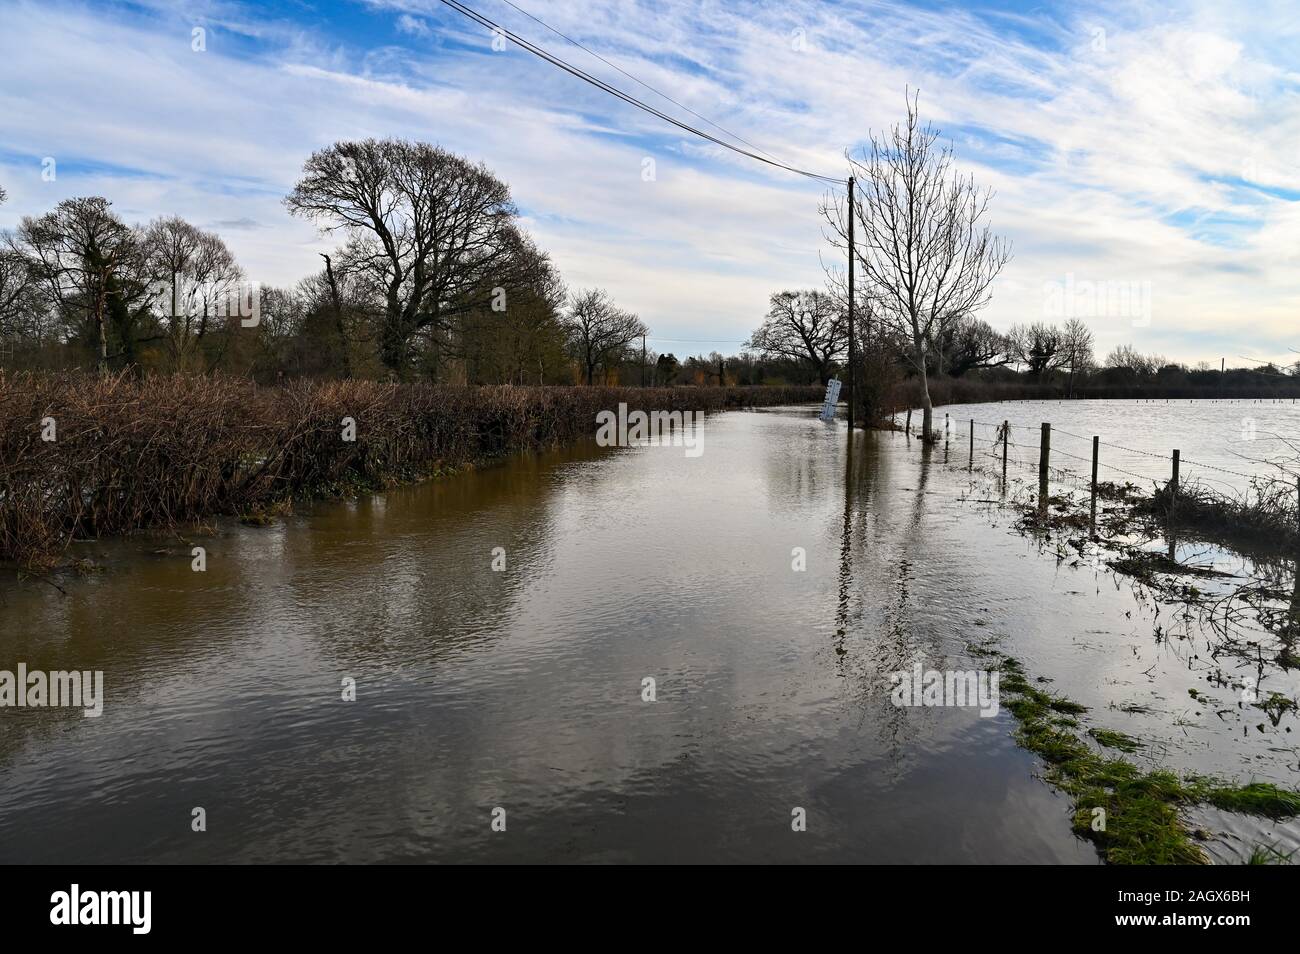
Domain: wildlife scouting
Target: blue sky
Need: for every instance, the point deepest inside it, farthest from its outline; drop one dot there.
(1141, 152)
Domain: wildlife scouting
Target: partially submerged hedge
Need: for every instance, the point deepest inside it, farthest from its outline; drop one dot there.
(131, 453)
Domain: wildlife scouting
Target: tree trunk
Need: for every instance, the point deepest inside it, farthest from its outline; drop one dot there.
(392, 343)
(101, 325)
(338, 317)
(927, 408)
(103, 344)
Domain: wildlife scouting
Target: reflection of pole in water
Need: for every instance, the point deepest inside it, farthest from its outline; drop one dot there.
(846, 552)
(1292, 629)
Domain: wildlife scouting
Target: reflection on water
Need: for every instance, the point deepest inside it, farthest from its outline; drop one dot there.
(522, 688)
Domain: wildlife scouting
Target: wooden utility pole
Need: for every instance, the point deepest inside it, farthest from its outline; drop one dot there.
(643, 360)
(853, 351)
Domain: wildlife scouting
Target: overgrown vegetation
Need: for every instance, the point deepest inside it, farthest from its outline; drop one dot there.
(1267, 512)
(1132, 815)
(85, 455)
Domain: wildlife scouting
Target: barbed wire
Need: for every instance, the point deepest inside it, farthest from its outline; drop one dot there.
(988, 448)
(1224, 470)
(1122, 447)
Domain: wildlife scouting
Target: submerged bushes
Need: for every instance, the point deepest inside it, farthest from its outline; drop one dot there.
(1265, 516)
(90, 456)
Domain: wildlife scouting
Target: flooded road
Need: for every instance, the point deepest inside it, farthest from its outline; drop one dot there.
(524, 688)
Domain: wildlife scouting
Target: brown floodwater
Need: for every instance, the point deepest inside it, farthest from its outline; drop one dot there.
(522, 688)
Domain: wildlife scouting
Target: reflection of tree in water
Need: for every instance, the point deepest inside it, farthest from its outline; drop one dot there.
(891, 645)
(416, 585)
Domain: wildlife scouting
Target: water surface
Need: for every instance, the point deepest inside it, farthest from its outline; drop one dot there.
(1222, 443)
(522, 688)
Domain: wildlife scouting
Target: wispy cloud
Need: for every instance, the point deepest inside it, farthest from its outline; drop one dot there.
(413, 25)
(1126, 142)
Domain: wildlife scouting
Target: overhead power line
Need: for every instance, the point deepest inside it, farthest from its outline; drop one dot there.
(619, 94)
(637, 80)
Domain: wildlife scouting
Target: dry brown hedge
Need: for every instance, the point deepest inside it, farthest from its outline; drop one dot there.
(132, 453)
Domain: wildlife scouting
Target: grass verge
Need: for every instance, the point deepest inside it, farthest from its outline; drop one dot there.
(1132, 816)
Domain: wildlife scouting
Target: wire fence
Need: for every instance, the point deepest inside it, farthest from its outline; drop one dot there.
(1000, 441)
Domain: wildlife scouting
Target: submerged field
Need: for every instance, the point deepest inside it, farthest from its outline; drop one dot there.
(524, 687)
(1223, 443)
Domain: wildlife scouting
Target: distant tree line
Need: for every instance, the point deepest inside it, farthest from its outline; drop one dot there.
(925, 261)
(433, 278)
(807, 330)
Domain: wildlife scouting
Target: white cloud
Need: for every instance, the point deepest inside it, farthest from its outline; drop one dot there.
(413, 25)
(1113, 161)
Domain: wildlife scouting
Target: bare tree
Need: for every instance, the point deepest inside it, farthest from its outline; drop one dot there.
(1040, 347)
(922, 241)
(93, 269)
(970, 343)
(18, 290)
(336, 309)
(194, 274)
(530, 329)
(1128, 358)
(1078, 344)
(806, 326)
(598, 329)
(434, 230)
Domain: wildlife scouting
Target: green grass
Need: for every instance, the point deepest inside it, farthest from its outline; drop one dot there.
(1258, 798)
(1141, 809)
(1269, 855)
(1115, 740)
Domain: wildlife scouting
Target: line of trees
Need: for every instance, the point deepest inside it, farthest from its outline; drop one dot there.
(433, 278)
(926, 260)
(806, 332)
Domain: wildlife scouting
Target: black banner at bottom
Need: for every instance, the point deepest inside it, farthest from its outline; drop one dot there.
(144, 904)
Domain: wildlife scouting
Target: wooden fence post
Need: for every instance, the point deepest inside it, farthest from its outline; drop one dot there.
(1044, 452)
(1006, 435)
(971, 464)
(1173, 485)
(1096, 442)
